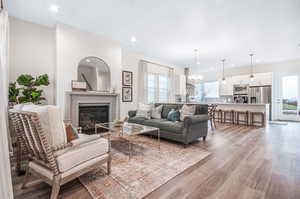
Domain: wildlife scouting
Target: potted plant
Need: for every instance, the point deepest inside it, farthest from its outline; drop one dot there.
(27, 89)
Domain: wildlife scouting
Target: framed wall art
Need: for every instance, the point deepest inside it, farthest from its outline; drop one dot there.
(126, 78)
(127, 94)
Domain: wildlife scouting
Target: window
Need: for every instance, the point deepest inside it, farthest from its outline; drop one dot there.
(152, 88)
(211, 89)
(207, 90)
(158, 88)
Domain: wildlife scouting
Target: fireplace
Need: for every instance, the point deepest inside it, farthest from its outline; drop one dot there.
(90, 114)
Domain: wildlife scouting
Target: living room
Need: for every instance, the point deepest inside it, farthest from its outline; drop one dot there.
(149, 99)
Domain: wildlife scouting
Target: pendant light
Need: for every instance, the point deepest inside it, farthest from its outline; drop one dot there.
(223, 76)
(251, 75)
(197, 58)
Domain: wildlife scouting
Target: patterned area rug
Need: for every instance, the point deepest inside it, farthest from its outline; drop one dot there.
(148, 168)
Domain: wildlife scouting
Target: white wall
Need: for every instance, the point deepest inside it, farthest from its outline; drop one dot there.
(32, 51)
(37, 49)
(130, 62)
(72, 45)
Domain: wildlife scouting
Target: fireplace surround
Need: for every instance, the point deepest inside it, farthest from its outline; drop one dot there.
(77, 100)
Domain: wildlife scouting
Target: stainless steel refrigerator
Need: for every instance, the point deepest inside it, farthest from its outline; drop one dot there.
(261, 95)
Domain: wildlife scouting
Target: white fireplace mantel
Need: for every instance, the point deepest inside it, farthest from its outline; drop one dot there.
(74, 99)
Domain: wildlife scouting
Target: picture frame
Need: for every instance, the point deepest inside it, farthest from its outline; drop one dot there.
(127, 78)
(127, 94)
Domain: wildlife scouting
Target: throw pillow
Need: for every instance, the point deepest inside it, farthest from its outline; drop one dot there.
(71, 133)
(173, 115)
(187, 110)
(156, 112)
(144, 110)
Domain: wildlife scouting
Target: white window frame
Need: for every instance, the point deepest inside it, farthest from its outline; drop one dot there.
(157, 93)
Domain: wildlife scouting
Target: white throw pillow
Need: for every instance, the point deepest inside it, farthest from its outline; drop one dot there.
(144, 110)
(187, 110)
(156, 112)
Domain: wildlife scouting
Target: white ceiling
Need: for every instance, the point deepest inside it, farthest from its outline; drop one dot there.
(170, 30)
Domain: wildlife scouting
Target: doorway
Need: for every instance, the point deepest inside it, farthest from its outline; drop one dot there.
(289, 98)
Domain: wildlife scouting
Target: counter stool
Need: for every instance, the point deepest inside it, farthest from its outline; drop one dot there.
(212, 115)
(228, 116)
(219, 115)
(253, 122)
(244, 114)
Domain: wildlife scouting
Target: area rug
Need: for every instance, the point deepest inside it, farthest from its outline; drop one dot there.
(148, 168)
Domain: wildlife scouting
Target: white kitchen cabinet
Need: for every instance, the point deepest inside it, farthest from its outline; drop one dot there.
(262, 79)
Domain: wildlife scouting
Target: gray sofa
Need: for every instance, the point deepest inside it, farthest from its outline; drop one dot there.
(187, 131)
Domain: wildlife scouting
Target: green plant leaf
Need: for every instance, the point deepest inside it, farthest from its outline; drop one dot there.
(29, 89)
(13, 92)
(25, 80)
(42, 80)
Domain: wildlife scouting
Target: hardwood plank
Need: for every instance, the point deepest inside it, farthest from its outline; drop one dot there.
(246, 163)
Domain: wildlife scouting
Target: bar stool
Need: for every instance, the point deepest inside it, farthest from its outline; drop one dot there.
(219, 115)
(260, 114)
(229, 119)
(244, 114)
(212, 115)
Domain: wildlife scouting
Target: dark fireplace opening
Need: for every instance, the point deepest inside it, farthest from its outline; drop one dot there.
(90, 114)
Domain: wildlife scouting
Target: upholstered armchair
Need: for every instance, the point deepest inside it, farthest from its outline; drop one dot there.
(51, 157)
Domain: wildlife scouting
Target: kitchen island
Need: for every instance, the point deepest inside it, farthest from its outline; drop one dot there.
(246, 107)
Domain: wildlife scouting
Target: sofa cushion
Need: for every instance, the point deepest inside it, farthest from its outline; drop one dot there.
(156, 112)
(187, 110)
(165, 125)
(195, 119)
(144, 110)
(174, 116)
(137, 120)
(81, 154)
(201, 109)
(167, 108)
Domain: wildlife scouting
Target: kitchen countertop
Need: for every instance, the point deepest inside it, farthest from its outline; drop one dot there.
(220, 103)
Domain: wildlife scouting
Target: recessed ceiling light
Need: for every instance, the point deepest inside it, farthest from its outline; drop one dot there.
(88, 61)
(133, 39)
(53, 8)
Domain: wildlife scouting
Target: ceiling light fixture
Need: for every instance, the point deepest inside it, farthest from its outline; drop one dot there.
(197, 58)
(88, 60)
(133, 39)
(251, 75)
(223, 75)
(53, 8)
(195, 77)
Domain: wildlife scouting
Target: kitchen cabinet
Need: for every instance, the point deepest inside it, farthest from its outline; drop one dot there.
(261, 79)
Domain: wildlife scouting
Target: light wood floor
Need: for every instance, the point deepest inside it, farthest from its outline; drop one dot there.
(245, 163)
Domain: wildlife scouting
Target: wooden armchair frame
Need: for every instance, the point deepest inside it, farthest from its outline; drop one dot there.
(32, 138)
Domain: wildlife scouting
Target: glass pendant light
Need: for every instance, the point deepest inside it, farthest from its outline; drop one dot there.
(197, 58)
(251, 75)
(223, 76)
